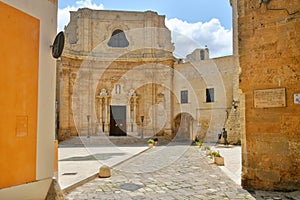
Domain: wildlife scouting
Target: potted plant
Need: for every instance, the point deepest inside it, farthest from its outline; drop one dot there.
(150, 142)
(199, 144)
(218, 159)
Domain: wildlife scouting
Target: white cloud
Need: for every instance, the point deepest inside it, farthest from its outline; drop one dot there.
(64, 13)
(188, 36)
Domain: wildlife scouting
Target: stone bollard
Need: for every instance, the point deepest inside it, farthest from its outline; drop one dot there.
(104, 172)
(219, 160)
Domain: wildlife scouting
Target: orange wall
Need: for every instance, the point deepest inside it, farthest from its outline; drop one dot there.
(19, 50)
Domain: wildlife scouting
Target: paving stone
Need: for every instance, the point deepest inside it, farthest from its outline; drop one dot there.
(189, 176)
(173, 187)
(148, 190)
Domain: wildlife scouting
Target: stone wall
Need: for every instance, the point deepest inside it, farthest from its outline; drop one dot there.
(268, 37)
(146, 68)
(90, 65)
(233, 126)
(82, 81)
(91, 29)
(67, 69)
(196, 75)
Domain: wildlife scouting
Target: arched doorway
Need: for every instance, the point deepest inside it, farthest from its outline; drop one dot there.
(183, 126)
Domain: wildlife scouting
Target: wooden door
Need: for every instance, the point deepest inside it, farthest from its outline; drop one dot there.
(117, 121)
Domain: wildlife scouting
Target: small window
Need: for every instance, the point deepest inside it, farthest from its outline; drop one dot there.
(118, 89)
(118, 39)
(184, 96)
(210, 95)
(202, 54)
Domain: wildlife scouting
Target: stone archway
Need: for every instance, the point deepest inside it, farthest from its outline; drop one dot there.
(183, 126)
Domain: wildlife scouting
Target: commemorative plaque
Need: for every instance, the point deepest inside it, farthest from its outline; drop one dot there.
(270, 98)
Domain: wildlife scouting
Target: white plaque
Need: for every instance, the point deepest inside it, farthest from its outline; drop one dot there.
(296, 98)
(269, 98)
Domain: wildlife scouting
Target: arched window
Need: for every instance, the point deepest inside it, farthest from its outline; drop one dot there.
(118, 89)
(118, 39)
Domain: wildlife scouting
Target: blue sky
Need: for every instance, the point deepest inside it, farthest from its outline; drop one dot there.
(204, 22)
(188, 10)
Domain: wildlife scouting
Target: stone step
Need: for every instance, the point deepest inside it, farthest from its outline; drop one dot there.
(107, 140)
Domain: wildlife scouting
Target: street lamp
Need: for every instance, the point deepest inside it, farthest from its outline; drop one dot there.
(88, 119)
(142, 119)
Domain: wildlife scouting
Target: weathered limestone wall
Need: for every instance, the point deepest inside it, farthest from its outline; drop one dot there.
(269, 58)
(235, 118)
(89, 65)
(81, 83)
(195, 76)
(67, 69)
(146, 67)
(150, 82)
(233, 126)
(90, 29)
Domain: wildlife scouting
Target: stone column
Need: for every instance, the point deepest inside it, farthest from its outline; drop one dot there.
(86, 27)
(64, 104)
(168, 103)
(101, 114)
(134, 114)
(106, 115)
(103, 111)
(128, 117)
(198, 113)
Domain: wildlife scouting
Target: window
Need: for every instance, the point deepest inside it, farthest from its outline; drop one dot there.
(210, 95)
(184, 96)
(118, 39)
(202, 54)
(118, 89)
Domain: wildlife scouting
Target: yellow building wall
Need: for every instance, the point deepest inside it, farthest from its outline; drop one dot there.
(27, 97)
(18, 95)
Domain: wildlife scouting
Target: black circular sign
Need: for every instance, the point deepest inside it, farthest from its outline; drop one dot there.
(58, 45)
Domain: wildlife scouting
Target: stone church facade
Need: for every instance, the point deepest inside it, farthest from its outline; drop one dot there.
(118, 77)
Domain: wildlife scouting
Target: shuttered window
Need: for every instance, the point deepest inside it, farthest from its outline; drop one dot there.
(184, 96)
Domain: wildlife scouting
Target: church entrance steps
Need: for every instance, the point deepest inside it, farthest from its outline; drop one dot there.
(108, 140)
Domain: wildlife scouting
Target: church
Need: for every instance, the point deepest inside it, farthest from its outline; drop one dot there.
(118, 76)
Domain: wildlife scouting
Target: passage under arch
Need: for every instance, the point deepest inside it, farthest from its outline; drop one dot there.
(118, 39)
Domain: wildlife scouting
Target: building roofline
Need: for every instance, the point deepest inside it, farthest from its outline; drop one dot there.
(117, 11)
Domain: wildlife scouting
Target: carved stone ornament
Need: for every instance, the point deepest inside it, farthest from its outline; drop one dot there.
(103, 93)
(131, 93)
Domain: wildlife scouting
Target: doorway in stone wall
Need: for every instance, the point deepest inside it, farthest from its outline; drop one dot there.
(117, 121)
(183, 126)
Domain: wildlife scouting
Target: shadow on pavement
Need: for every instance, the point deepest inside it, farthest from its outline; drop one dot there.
(98, 156)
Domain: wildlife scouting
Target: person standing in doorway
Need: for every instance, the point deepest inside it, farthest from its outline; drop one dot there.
(224, 133)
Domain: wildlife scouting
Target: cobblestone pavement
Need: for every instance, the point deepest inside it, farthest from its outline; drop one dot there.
(172, 172)
(268, 195)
